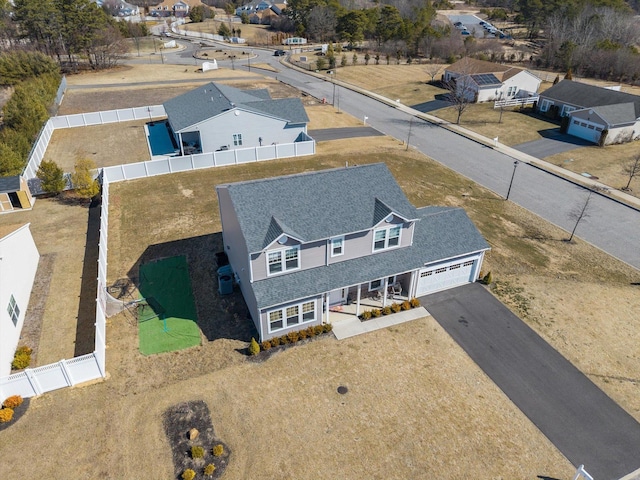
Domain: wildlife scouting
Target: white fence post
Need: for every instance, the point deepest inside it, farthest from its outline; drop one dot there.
(66, 372)
(35, 385)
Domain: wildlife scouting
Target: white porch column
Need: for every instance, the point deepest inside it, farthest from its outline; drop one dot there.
(358, 300)
(384, 292)
(325, 299)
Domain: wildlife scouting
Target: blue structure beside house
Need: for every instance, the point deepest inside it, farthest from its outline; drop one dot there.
(301, 244)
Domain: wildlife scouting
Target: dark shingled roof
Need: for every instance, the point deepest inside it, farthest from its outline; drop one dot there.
(622, 113)
(10, 184)
(316, 205)
(588, 96)
(441, 233)
(212, 99)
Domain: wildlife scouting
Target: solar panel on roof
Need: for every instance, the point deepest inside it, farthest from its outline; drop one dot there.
(485, 79)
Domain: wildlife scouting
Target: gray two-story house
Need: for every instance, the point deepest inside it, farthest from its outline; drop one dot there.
(300, 244)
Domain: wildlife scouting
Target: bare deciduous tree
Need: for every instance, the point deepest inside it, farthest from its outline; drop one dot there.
(632, 170)
(580, 211)
(460, 93)
(432, 70)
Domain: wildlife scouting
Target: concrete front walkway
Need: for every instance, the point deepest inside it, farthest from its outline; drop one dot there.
(345, 326)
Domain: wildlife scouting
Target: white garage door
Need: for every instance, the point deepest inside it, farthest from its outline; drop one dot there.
(432, 279)
(587, 130)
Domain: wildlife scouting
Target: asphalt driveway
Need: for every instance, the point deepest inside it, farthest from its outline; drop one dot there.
(324, 134)
(553, 142)
(575, 415)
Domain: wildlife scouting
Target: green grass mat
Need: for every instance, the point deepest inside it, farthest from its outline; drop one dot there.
(167, 319)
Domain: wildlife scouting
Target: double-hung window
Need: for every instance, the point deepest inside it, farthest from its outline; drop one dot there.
(291, 316)
(13, 310)
(237, 139)
(337, 246)
(387, 237)
(283, 260)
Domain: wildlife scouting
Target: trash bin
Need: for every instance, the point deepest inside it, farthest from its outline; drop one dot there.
(225, 280)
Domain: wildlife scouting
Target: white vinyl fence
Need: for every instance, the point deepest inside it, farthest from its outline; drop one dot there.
(168, 165)
(175, 28)
(84, 120)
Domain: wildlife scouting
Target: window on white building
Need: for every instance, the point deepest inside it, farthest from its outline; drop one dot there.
(13, 310)
(237, 139)
(283, 260)
(337, 246)
(291, 316)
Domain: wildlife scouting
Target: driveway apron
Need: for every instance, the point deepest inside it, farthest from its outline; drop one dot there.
(571, 411)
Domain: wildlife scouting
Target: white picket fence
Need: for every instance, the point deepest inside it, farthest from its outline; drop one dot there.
(151, 168)
(175, 28)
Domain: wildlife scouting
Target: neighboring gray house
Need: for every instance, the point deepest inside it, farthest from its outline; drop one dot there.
(593, 111)
(218, 117)
(301, 244)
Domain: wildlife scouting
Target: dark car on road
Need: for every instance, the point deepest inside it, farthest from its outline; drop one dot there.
(279, 53)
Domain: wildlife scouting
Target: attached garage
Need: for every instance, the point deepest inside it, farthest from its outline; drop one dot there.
(447, 275)
(585, 129)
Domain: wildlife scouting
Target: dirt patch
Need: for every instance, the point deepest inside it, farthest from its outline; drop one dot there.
(178, 420)
(32, 327)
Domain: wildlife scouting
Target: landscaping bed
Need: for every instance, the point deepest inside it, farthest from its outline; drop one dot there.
(194, 450)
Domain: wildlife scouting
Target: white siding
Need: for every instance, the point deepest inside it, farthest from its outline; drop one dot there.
(18, 264)
(220, 130)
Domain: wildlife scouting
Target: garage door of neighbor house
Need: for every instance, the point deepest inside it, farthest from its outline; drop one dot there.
(583, 129)
(440, 277)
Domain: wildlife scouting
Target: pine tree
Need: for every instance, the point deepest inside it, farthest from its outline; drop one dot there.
(51, 176)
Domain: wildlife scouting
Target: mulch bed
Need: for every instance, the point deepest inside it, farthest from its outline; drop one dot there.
(18, 412)
(178, 420)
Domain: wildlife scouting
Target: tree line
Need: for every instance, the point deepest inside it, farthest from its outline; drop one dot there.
(34, 78)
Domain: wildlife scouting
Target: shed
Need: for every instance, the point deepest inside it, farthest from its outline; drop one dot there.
(14, 194)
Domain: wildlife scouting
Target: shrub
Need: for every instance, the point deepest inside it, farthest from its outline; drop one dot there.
(376, 312)
(24, 349)
(366, 315)
(6, 414)
(487, 279)
(405, 305)
(319, 329)
(414, 302)
(51, 176)
(386, 310)
(395, 308)
(82, 178)
(188, 474)
(209, 469)
(311, 332)
(218, 450)
(284, 340)
(275, 341)
(197, 451)
(303, 334)
(327, 327)
(21, 360)
(266, 345)
(12, 402)
(293, 337)
(254, 348)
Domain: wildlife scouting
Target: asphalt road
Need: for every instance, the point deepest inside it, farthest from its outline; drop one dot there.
(325, 134)
(609, 225)
(573, 413)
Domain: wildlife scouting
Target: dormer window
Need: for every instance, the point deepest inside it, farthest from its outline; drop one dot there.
(337, 246)
(387, 237)
(284, 260)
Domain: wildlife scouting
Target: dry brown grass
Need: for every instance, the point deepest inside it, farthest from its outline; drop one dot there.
(606, 163)
(326, 116)
(99, 144)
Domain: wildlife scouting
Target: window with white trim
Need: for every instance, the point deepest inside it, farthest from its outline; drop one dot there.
(387, 237)
(291, 316)
(375, 285)
(13, 310)
(337, 246)
(545, 104)
(237, 139)
(284, 260)
(512, 91)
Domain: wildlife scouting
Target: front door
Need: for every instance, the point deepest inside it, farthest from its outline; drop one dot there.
(337, 296)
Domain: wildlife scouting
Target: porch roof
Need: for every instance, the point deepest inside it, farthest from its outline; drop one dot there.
(442, 233)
